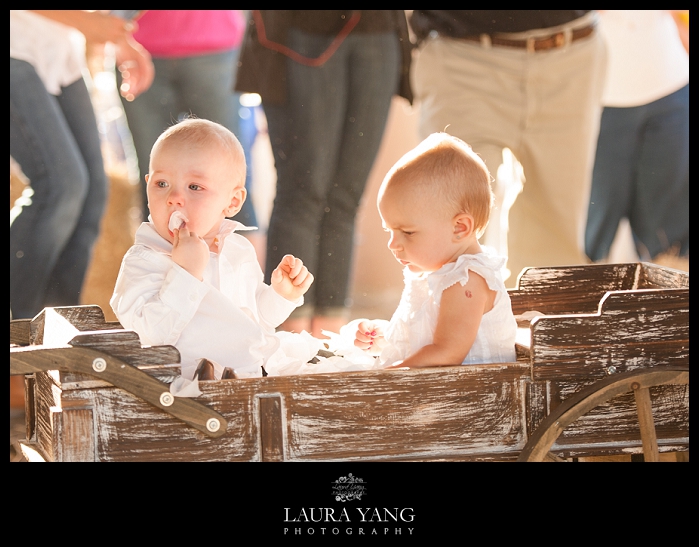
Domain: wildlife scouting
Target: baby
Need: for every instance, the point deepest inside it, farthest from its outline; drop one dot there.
(435, 204)
(189, 280)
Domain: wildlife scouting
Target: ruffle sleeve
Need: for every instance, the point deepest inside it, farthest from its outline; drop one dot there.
(486, 264)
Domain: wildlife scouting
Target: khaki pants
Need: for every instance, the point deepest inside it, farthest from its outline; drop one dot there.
(543, 106)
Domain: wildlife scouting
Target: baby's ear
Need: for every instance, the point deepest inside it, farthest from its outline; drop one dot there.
(463, 225)
(237, 200)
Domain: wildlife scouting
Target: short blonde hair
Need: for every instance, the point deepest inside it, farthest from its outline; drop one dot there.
(200, 132)
(447, 170)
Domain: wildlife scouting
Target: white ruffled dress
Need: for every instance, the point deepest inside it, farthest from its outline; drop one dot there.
(414, 321)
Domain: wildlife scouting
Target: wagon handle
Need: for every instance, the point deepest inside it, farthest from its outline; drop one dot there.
(27, 360)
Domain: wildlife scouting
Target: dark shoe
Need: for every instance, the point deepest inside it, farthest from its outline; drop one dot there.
(228, 374)
(205, 370)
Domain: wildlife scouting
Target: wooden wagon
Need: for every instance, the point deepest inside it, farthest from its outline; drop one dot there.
(603, 371)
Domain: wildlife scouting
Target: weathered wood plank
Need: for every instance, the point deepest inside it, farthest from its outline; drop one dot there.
(570, 289)
(57, 325)
(271, 428)
(633, 329)
(466, 412)
(660, 277)
(47, 400)
(20, 332)
(76, 428)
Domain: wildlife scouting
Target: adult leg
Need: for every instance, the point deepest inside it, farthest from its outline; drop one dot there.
(612, 179)
(476, 94)
(660, 213)
(560, 130)
(69, 272)
(372, 61)
(305, 138)
(43, 144)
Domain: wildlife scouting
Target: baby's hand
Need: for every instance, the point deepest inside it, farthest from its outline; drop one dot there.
(190, 251)
(369, 337)
(291, 279)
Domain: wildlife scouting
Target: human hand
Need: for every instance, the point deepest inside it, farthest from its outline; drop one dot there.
(136, 68)
(190, 251)
(369, 337)
(291, 279)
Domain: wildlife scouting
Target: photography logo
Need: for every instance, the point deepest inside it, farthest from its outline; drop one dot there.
(349, 519)
(349, 488)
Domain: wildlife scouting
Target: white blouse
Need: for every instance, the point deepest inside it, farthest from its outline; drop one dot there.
(414, 322)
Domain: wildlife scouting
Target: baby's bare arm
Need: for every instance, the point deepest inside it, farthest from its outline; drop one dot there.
(460, 313)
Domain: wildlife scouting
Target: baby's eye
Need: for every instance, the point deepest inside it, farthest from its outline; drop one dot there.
(194, 187)
(407, 233)
(161, 183)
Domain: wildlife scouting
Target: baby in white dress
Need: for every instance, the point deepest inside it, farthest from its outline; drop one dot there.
(435, 204)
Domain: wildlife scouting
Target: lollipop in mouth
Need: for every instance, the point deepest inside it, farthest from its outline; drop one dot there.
(177, 219)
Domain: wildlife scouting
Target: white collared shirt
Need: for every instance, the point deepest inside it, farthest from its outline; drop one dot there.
(230, 317)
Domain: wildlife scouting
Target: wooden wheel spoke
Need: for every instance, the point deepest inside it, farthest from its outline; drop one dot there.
(638, 381)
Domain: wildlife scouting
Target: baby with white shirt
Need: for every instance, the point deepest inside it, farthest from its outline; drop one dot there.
(190, 280)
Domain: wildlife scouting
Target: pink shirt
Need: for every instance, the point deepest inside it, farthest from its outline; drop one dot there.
(183, 33)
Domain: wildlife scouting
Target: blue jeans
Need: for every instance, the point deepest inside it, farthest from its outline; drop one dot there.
(325, 139)
(642, 173)
(201, 85)
(56, 142)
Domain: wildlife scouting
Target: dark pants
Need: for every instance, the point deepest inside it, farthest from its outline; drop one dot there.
(325, 139)
(642, 173)
(55, 141)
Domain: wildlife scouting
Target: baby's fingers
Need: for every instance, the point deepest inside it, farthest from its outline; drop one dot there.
(362, 337)
(367, 328)
(300, 277)
(293, 265)
(304, 280)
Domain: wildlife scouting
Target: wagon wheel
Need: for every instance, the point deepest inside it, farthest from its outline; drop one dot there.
(638, 381)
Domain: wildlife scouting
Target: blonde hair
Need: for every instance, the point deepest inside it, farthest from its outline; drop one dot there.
(200, 132)
(445, 169)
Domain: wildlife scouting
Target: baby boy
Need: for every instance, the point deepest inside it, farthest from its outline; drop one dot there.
(190, 280)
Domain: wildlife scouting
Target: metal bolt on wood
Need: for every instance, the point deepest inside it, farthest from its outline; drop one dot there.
(99, 365)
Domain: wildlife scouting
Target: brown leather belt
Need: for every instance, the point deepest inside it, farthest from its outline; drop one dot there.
(543, 43)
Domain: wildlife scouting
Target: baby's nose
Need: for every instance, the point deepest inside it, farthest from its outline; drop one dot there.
(175, 197)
